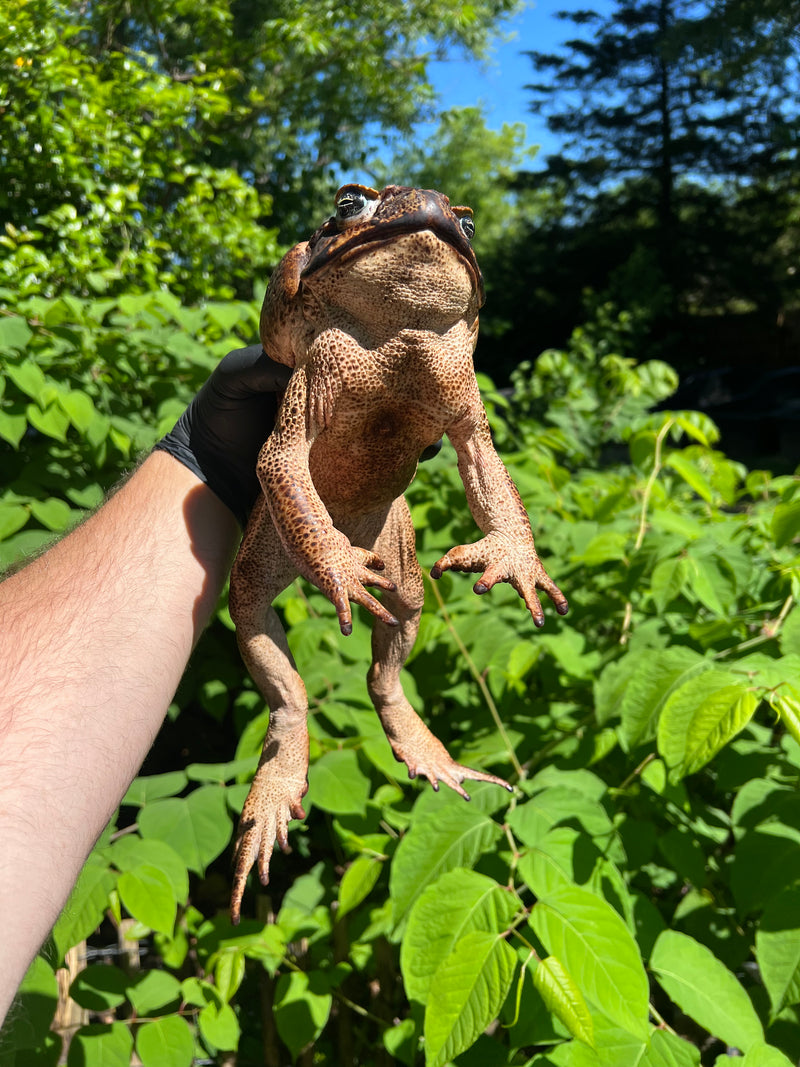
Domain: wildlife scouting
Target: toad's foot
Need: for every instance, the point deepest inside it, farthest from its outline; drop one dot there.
(505, 561)
(342, 573)
(275, 797)
(425, 755)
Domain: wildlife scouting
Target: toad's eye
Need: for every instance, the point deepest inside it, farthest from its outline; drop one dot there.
(467, 227)
(355, 204)
(349, 205)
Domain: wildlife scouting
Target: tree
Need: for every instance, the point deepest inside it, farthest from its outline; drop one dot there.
(160, 143)
(656, 101)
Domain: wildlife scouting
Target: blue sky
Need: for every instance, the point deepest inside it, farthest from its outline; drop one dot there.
(499, 85)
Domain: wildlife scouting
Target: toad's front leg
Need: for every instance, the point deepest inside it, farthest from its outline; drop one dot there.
(506, 553)
(320, 552)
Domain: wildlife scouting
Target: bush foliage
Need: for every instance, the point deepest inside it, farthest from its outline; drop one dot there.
(635, 901)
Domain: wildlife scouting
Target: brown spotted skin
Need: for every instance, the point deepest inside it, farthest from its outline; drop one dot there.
(378, 315)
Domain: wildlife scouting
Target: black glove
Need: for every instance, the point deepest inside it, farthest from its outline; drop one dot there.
(221, 432)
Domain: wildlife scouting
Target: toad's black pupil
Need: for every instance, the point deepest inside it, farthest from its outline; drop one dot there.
(349, 206)
(468, 227)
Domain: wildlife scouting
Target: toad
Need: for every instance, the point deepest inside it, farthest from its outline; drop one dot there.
(377, 314)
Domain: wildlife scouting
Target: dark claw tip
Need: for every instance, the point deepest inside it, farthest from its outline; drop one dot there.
(392, 621)
(436, 572)
(480, 588)
(346, 628)
(562, 609)
(467, 796)
(538, 621)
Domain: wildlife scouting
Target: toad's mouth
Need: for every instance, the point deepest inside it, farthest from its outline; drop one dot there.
(427, 217)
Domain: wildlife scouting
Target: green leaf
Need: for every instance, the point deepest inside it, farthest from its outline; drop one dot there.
(101, 1045)
(691, 474)
(30, 380)
(705, 990)
(79, 408)
(778, 949)
(789, 637)
(467, 993)
(786, 522)
(12, 518)
(130, 852)
(337, 784)
(14, 332)
(536, 817)
(764, 1056)
(357, 883)
(668, 580)
(152, 787)
(198, 827)
(594, 945)
(86, 906)
(99, 987)
(651, 678)
(53, 513)
(12, 427)
(302, 1005)
(669, 1050)
(700, 717)
(456, 838)
(35, 1006)
(147, 894)
(564, 999)
(165, 1042)
(151, 990)
(786, 702)
(459, 902)
(219, 1026)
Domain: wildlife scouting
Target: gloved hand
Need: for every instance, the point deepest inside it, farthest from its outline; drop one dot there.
(221, 432)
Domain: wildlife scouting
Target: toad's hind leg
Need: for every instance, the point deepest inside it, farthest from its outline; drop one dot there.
(260, 572)
(411, 740)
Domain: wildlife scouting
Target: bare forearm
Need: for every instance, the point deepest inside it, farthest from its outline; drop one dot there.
(94, 638)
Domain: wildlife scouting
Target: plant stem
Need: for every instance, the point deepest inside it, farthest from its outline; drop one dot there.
(484, 688)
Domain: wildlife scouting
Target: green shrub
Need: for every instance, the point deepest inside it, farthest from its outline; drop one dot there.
(635, 902)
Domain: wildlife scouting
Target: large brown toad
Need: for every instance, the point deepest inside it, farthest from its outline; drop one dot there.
(378, 315)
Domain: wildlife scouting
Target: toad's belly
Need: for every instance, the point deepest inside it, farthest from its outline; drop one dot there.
(359, 465)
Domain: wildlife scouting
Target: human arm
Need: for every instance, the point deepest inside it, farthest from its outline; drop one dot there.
(94, 638)
(95, 635)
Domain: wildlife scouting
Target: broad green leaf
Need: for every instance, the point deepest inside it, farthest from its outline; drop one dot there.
(691, 474)
(650, 680)
(533, 819)
(337, 784)
(357, 882)
(766, 861)
(80, 409)
(786, 702)
(29, 379)
(219, 1026)
(14, 333)
(700, 717)
(12, 427)
(668, 1050)
(53, 513)
(302, 1005)
(147, 894)
(778, 949)
(789, 637)
(101, 1045)
(129, 852)
(595, 946)
(12, 518)
(198, 827)
(668, 580)
(456, 838)
(229, 972)
(563, 998)
(151, 990)
(86, 906)
(152, 787)
(705, 990)
(99, 987)
(52, 422)
(165, 1042)
(34, 1008)
(459, 902)
(467, 993)
(764, 1056)
(786, 522)
(704, 581)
